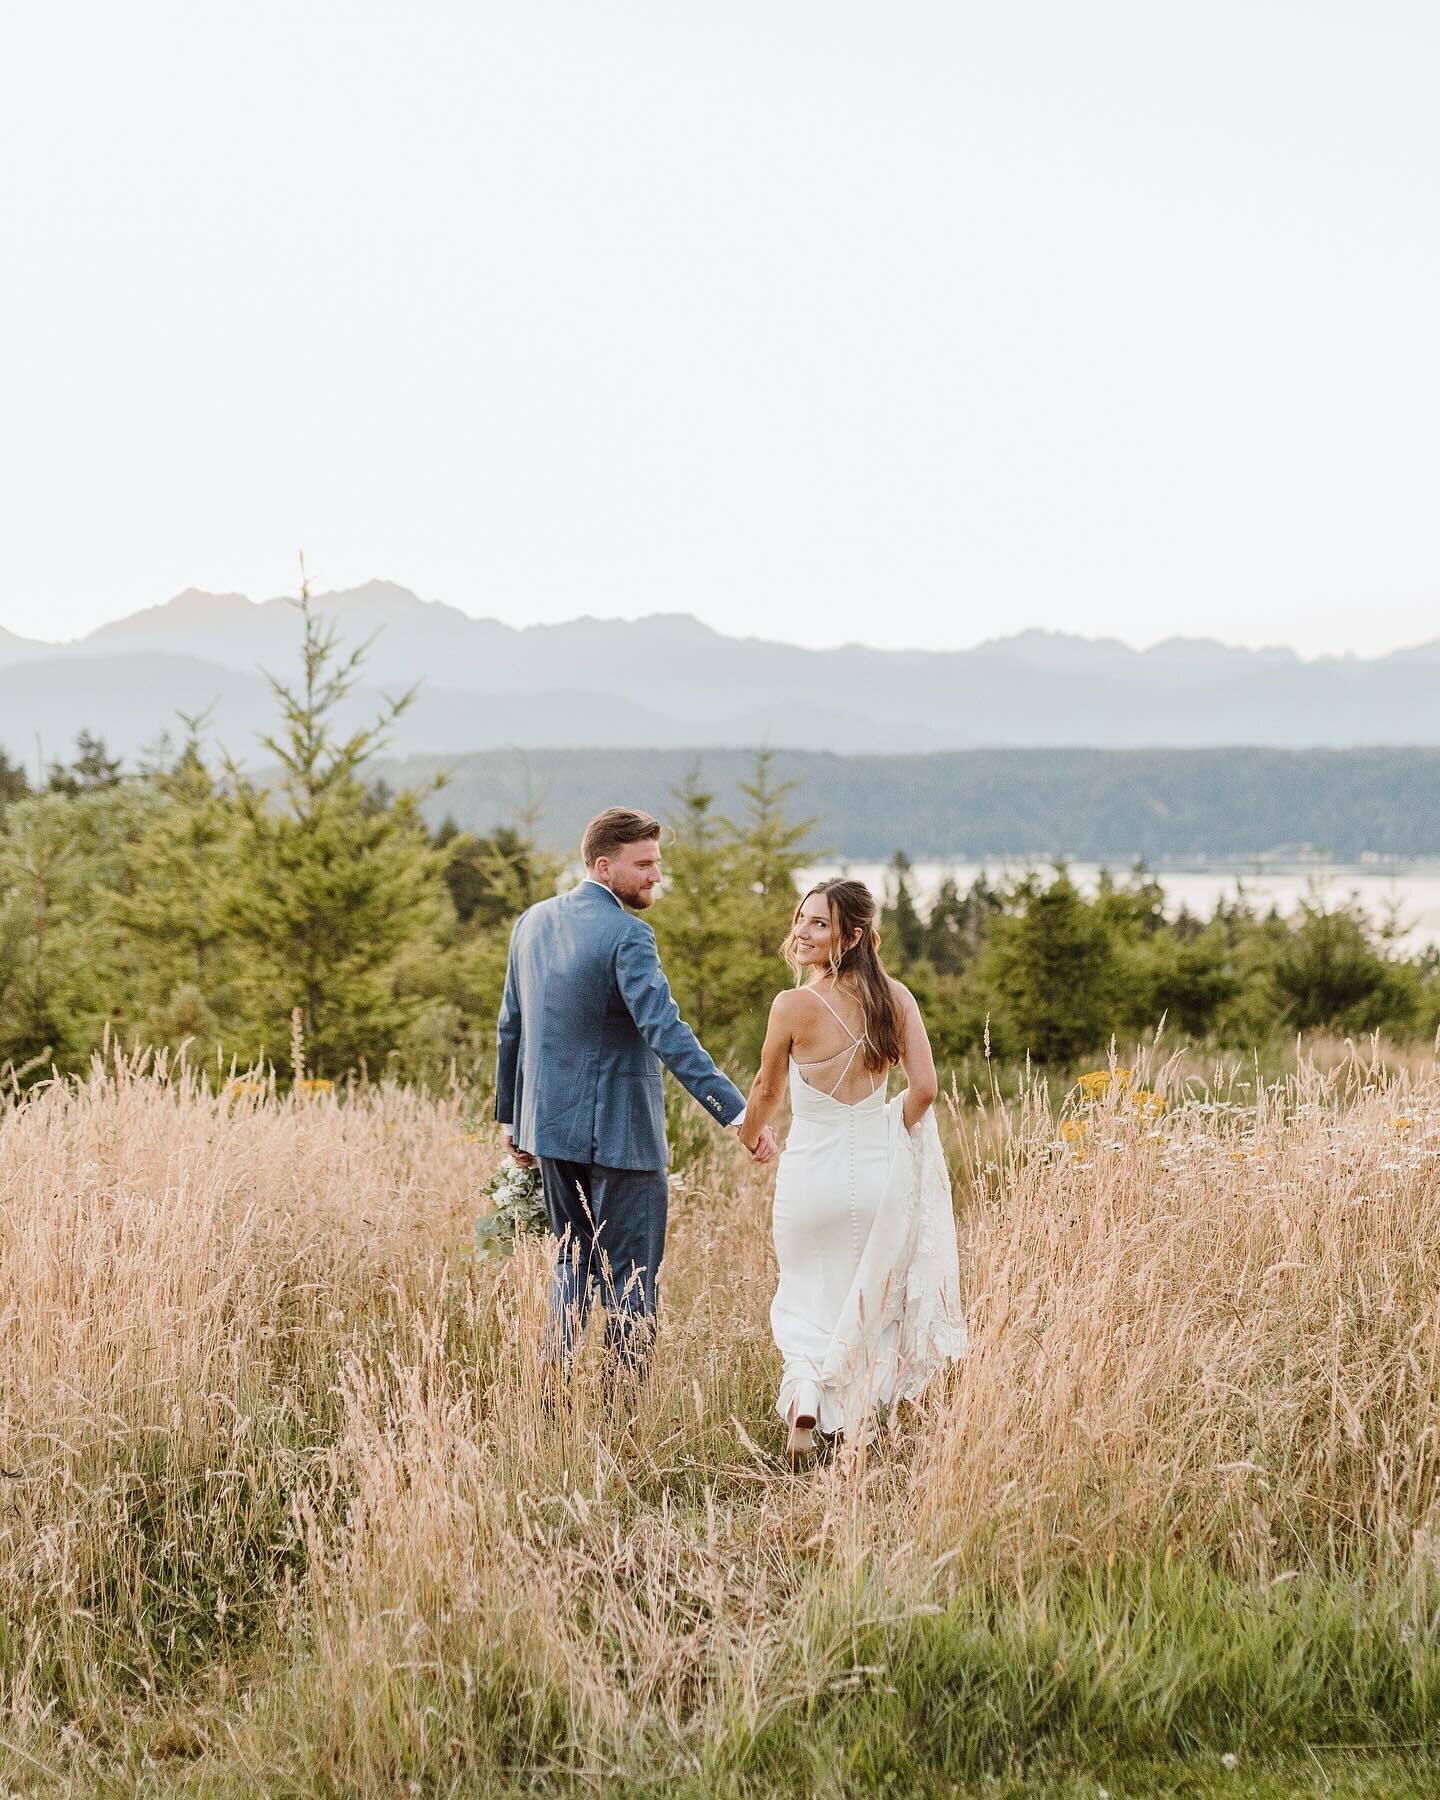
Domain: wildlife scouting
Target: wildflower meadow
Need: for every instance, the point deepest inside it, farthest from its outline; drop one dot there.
(289, 1507)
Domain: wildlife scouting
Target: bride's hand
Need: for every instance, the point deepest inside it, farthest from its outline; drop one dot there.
(764, 1147)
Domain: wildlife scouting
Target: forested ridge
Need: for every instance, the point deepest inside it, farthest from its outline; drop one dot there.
(326, 920)
(1093, 805)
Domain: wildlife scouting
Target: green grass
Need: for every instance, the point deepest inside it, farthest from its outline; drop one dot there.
(1179, 1665)
(1138, 1682)
(1347, 1775)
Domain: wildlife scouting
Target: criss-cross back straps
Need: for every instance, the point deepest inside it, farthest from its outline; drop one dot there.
(856, 1044)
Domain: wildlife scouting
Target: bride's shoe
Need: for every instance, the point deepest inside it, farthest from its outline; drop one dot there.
(804, 1417)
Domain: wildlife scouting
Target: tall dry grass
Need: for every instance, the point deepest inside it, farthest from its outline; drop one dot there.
(287, 1505)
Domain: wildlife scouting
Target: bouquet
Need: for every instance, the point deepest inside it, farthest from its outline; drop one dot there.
(517, 1209)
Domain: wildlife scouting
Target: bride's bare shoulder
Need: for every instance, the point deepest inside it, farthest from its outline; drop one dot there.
(904, 999)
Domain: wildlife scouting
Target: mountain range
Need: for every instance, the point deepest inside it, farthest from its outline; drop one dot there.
(669, 681)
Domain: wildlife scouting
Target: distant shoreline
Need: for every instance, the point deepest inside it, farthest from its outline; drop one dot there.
(1407, 894)
(1266, 862)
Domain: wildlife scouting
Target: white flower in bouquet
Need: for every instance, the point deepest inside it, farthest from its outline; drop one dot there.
(517, 1209)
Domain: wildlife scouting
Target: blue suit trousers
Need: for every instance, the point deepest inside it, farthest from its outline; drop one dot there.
(611, 1227)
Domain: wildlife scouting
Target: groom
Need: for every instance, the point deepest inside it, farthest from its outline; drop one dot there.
(586, 1021)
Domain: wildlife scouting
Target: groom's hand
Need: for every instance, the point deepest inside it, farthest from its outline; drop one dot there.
(521, 1158)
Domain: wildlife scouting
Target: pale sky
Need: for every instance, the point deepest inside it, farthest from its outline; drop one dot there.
(911, 324)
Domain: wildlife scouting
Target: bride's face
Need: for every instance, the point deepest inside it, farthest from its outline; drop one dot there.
(812, 936)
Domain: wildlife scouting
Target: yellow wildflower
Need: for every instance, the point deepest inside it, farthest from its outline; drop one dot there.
(1073, 1130)
(1401, 1124)
(315, 1084)
(1097, 1082)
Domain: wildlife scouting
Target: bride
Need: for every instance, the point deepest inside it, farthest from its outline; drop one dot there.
(868, 1305)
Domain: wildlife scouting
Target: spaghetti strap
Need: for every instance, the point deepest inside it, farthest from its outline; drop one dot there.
(854, 1047)
(836, 1017)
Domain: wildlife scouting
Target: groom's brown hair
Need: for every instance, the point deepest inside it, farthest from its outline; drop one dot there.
(612, 829)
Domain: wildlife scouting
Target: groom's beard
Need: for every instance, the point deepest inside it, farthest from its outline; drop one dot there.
(636, 898)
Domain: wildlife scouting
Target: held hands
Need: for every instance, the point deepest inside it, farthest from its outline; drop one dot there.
(764, 1148)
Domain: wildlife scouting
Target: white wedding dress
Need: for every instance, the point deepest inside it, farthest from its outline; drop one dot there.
(868, 1306)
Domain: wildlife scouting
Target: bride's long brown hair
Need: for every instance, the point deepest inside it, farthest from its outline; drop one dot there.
(852, 909)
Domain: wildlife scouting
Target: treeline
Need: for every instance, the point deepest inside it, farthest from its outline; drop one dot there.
(1042, 970)
(317, 922)
(1093, 805)
(312, 921)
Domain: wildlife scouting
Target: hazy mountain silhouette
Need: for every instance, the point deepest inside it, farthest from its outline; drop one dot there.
(17, 649)
(130, 699)
(669, 681)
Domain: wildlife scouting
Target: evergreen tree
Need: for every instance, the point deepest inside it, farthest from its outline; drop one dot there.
(730, 897)
(494, 879)
(332, 887)
(1135, 908)
(768, 849)
(1052, 965)
(62, 971)
(956, 926)
(93, 767)
(14, 784)
(701, 920)
(1329, 974)
(39, 884)
(1195, 988)
(172, 909)
(904, 929)
(458, 978)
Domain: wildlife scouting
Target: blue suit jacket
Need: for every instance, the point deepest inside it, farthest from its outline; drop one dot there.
(587, 1019)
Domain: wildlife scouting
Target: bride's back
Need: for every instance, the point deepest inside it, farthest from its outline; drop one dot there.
(829, 1047)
